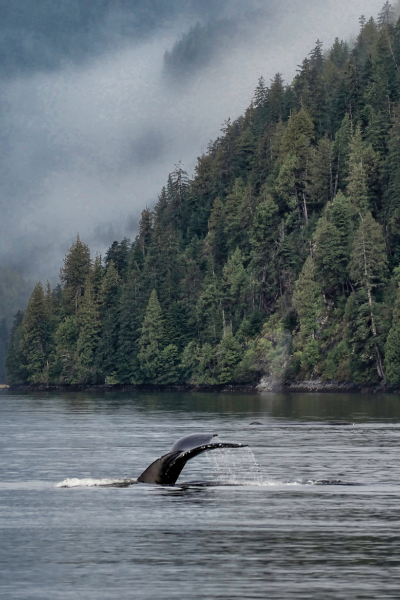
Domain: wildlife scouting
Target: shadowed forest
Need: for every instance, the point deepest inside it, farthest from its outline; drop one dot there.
(280, 257)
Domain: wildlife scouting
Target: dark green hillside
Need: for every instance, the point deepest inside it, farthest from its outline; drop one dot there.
(281, 256)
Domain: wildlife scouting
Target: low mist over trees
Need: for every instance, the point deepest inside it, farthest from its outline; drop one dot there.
(280, 257)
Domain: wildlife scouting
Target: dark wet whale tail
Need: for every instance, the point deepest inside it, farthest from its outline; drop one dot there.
(166, 469)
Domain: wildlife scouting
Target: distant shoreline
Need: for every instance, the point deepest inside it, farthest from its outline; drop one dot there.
(263, 387)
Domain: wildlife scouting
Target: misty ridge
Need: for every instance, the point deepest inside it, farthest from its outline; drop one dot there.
(198, 47)
(100, 100)
(278, 261)
(44, 36)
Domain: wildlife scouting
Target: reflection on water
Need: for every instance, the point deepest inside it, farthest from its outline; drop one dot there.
(340, 407)
(310, 510)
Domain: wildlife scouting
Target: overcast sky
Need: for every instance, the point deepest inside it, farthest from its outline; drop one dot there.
(90, 126)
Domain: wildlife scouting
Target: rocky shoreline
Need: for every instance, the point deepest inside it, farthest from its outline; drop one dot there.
(265, 385)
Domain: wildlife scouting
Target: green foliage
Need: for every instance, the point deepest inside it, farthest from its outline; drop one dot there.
(152, 342)
(15, 360)
(368, 264)
(198, 364)
(104, 339)
(89, 335)
(362, 166)
(392, 196)
(392, 346)
(14, 293)
(170, 361)
(330, 254)
(118, 253)
(340, 214)
(268, 354)
(361, 320)
(306, 300)
(235, 287)
(73, 275)
(277, 258)
(310, 355)
(62, 365)
(229, 354)
(337, 363)
(37, 336)
(368, 269)
(3, 349)
(209, 312)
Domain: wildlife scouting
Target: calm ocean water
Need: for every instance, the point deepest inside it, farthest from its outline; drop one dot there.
(312, 511)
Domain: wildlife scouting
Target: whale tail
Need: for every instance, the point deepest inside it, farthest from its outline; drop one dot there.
(166, 469)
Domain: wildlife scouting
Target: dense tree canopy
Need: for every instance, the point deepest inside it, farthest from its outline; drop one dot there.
(280, 256)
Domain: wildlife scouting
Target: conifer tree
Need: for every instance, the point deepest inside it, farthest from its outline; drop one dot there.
(296, 153)
(386, 16)
(330, 255)
(262, 235)
(170, 372)
(275, 224)
(368, 267)
(73, 275)
(96, 276)
(392, 199)
(108, 303)
(233, 228)
(152, 341)
(3, 349)
(306, 300)
(216, 232)
(179, 186)
(210, 316)
(15, 360)
(262, 231)
(119, 254)
(392, 346)
(357, 187)
(340, 213)
(36, 336)
(229, 355)
(63, 360)
(199, 364)
(320, 184)
(260, 94)
(89, 335)
(52, 302)
(276, 99)
(145, 230)
(133, 302)
(235, 287)
(340, 150)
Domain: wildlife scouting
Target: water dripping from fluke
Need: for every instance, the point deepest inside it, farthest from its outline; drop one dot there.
(237, 467)
(166, 469)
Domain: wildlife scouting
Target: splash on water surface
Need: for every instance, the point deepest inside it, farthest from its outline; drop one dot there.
(239, 467)
(74, 482)
(230, 467)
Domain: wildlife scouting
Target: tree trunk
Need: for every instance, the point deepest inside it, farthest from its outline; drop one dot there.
(305, 208)
(223, 321)
(337, 178)
(379, 362)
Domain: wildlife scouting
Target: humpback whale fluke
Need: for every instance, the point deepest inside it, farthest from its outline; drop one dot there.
(166, 469)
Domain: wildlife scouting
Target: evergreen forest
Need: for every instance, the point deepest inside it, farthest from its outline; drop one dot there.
(280, 257)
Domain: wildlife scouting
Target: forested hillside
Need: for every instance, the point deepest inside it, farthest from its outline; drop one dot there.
(281, 256)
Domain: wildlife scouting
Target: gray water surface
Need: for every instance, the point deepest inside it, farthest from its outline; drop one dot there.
(312, 511)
